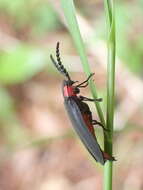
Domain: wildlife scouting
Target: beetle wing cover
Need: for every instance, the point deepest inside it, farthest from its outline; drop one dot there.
(83, 132)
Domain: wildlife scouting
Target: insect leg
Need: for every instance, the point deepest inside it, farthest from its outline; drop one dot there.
(95, 122)
(86, 81)
(82, 98)
(108, 157)
(83, 86)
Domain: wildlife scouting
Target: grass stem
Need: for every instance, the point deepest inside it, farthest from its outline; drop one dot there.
(111, 45)
(70, 15)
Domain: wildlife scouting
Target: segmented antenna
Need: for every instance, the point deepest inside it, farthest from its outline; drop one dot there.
(58, 64)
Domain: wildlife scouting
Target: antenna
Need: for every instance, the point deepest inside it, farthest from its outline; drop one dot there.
(58, 63)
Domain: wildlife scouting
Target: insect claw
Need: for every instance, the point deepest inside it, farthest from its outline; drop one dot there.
(92, 74)
(76, 81)
(99, 99)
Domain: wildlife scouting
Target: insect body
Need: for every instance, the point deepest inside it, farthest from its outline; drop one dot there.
(79, 112)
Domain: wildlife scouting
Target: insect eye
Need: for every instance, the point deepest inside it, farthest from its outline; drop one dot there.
(76, 90)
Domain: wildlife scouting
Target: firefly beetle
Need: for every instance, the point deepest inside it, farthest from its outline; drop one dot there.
(79, 111)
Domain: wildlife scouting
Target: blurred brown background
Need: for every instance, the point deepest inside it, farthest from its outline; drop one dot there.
(38, 148)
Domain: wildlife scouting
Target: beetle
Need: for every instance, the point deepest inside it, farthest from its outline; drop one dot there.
(79, 111)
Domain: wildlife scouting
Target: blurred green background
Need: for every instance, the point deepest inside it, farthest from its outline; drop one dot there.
(38, 148)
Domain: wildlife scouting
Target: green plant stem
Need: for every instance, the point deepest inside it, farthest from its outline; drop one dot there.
(70, 15)
(108, 144)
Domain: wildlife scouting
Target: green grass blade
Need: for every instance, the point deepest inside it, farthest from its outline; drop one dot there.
(70, 15)
(109, 9)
